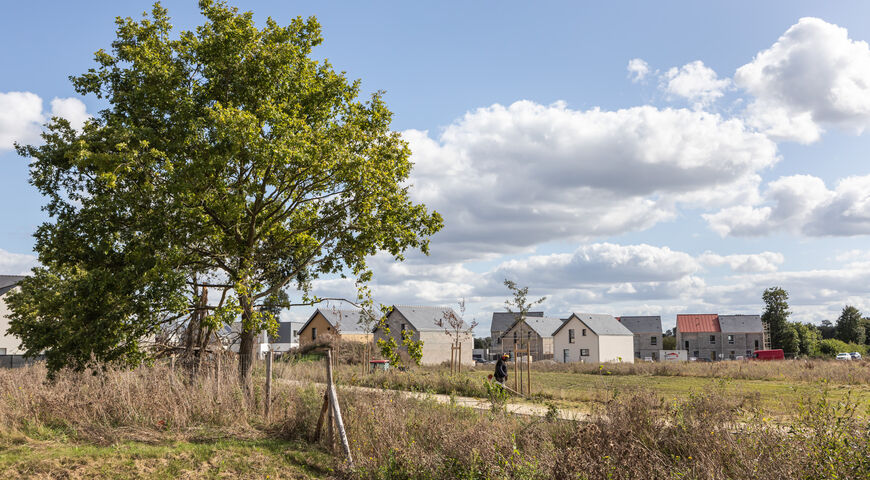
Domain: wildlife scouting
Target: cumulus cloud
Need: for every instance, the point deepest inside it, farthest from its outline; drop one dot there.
(22, 116)
(16, 263)
(638, 69)
(801, 204)
(813, 76)
(695, 82)
(759, 262)
(509, 178)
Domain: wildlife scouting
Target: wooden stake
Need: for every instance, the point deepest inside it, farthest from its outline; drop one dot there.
(459, 360)
(516, 367)
(336, 409)
(529, 370)
(268, 384)
(322, 417)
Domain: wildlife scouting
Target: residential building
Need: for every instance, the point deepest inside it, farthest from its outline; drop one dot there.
(423, 322)
(9, 344)
(742, 335)
(501, 321)
(593, 338)
(287, 338)
(331, 322)
(700, 335)
(647, 332)
(536, 333)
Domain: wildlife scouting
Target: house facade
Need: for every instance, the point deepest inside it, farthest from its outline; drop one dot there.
(9, 344)
(501, 321)
(647, 332)
(593, 338)
(536, 333)
(423, 321)
(327, 323)
(720, 337)
(287, 338)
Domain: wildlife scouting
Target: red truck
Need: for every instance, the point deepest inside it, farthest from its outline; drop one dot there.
(776, 354)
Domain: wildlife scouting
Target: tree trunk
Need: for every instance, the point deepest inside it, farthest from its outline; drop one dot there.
(246, 357)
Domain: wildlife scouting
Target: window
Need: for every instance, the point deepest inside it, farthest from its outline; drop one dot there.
(636, 354)
(756, 344)
(2, 351)
(402, 327)
(584, 352)
(295, 333)
(529, 335)
(570, 336)
(653, 341)
(712, 339)
(314, 333)
(732, 355)
(695, 354)
(498, 341)
(515, 337)
(583, 333)
(730, 339)
(565, 356)
(687, 345)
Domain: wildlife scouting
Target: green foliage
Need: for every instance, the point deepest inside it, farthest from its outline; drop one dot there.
(388, 347)
(414, 347)
(775, 315)
(226, 151)
(808, 339)
(830, 347)
(850, 328)
(669, 343)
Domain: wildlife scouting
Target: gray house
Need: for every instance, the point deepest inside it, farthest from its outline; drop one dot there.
(534, 332)
(9, 345)
(647, 332)
(742, 335)
(423, 321)
(501, 322)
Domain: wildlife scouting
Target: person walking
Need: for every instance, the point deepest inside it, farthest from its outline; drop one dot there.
(501, 370)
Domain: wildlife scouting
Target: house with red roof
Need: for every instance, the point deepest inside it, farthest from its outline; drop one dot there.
(719, 337)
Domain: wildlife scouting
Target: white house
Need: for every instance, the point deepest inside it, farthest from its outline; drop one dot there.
(9, 345)
(423, 321)
(593, 338)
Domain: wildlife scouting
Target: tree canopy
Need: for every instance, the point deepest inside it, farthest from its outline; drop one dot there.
(226, 153)
(850, 328)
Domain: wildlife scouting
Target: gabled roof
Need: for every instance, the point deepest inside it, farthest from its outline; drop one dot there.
(600, 324)
(424, 318)
(642, 324)
(502, 321)
(8, 282)
(344, 321)
(543, 326)
(741, 323)
(698, 323)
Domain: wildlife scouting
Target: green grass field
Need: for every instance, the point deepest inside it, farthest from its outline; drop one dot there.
(22, 457)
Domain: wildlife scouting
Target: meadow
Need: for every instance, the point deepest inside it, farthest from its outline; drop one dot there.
(152, 422)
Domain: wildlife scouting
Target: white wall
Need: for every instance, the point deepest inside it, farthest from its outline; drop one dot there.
(9, 342)
(590, 342)
(616, 348)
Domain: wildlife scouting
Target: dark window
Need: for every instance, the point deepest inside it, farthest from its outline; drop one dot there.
(730, 339)
(756, 344)
(498, 341)
(403, 327)
(583, 333)
(636, 354)
(314, 333)
(565, 355)
(653, 341)
(515, 337)
(570, 336)
(687, 344)
(695, 354)
(584, 352)
(712, 339)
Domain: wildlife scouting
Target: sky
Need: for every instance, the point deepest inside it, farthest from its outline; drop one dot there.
(628, 158)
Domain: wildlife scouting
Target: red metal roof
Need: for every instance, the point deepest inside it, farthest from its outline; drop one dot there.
(707, 322)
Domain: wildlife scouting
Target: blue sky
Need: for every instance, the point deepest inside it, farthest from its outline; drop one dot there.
(728, 158)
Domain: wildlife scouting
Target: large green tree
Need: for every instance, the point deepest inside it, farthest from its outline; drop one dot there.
(775, 316)
(850, 328)
(226, 153)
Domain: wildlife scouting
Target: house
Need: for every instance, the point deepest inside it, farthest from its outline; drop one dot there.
(593, 338)
(287, 338)
(423, 321)
(501, 321)
(9, 345)
(536, 333)
(332, 322)
(742, 335)
(647, 335)
(700, 335)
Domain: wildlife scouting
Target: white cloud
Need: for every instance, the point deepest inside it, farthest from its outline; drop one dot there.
(20, 118)
(696, 83)
(801, 204)
(638, 69)
(72, 109)
(758, 262)
(16, 263)
(813, 76)
(509, 178)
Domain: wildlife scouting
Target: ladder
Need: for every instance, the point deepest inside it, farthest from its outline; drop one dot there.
(766, 335)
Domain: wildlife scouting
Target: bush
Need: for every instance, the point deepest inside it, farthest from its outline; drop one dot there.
(831, 347)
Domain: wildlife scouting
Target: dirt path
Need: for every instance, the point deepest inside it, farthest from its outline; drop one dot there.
(469, 402)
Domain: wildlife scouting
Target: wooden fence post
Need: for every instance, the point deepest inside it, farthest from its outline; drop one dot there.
(529, 370)
(336, 409)
(268, 384)
(516, 368)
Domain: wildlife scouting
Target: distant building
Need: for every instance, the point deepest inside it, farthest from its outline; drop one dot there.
(719, 337)
(593, 338)
(422, 321)
(330, 322)
(534, 332)
(647, 332)
(501, 321)
(9, 344)
(287, 338)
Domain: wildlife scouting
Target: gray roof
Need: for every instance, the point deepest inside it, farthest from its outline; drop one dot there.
(7, 282)
(741, 323)
(424, 318)
(543, 326)
(345, 321)
(501, 321)
(600, 324)
(646, 324)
